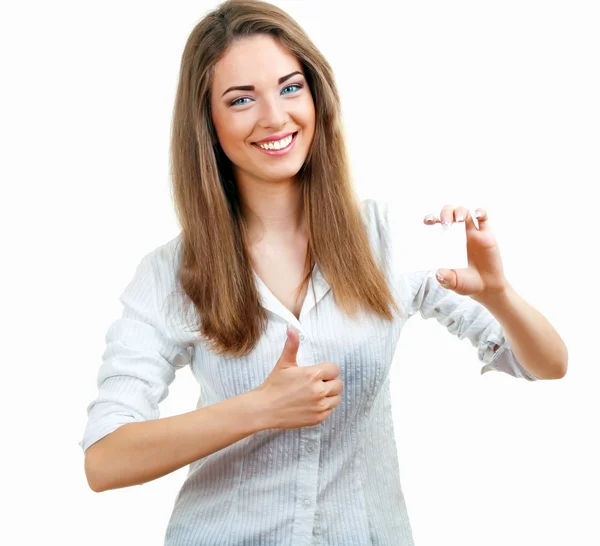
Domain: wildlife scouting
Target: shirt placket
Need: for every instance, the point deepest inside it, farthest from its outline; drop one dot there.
(308, 471)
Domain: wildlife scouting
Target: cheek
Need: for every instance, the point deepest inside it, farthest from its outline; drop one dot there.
(232, 136)
(309, 117)
(312, 124)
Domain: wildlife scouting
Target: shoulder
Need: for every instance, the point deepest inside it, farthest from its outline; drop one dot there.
(157, 273)
(374, 210)
(166, 258)
(156, 282)
(375, 217)
(388, 234)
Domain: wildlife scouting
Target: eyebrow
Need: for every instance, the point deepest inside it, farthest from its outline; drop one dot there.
(252, 88)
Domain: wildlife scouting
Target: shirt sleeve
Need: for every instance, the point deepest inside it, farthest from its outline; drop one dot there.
(465, 318)
(461, 315)
(139, 361)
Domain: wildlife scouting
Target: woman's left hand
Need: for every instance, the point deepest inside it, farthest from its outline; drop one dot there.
(485, 274)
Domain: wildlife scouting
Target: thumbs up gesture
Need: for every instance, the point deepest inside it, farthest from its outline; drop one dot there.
(295, 396)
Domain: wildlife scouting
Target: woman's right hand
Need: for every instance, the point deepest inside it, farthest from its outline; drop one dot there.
(294, 396)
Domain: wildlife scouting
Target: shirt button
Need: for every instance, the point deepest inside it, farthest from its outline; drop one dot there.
(310, 447)
(306, 502)
(302, 337)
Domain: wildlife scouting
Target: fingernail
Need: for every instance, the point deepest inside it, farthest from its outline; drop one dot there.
(430, 217)
(460, 218)
(477, 214)
(446, 225)
(439, 276)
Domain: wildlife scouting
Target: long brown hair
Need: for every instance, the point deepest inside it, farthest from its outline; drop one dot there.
(215, 272)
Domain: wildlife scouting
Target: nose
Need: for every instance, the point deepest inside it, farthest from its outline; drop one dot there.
(273, 113)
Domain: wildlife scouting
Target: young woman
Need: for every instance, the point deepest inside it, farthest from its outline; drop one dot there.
(292, 441)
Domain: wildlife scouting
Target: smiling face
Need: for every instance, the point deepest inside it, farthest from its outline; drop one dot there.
(259, 95)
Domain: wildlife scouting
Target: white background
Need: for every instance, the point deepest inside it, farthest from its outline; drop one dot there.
(492, 104)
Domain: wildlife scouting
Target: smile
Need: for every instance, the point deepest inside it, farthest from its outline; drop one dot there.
(278, 147)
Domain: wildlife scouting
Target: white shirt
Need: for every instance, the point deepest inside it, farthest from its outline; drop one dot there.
(336, 483)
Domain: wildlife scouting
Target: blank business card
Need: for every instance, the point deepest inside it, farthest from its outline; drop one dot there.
(421, 247)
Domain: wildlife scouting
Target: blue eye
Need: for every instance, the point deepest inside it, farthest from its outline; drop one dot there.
(297, 85)
(238, 103)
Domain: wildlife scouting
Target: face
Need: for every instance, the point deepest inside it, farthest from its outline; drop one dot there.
(262, 110)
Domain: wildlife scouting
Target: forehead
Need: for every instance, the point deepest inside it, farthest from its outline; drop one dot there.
(255, 60)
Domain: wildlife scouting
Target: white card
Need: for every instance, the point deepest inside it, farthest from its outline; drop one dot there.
(421, 247)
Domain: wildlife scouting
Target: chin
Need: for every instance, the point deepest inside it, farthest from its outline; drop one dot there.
(279, 172)
(283, 174)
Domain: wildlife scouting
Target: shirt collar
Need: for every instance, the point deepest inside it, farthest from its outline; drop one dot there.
(271, 303)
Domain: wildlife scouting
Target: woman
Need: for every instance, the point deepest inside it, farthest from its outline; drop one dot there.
(292, 441)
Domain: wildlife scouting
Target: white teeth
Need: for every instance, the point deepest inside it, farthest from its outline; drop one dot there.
(277, 145)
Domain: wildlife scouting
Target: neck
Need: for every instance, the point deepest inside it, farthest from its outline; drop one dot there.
(274, 212)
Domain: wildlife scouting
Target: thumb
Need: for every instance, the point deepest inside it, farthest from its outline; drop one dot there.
(290, 350)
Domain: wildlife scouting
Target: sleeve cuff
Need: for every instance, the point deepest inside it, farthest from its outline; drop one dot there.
(104, 418)
(502, 360)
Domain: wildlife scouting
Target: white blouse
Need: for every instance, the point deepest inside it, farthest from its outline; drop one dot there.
(336, 483)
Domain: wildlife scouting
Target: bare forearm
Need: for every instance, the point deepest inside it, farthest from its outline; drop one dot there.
(140, 452)
(533, 340)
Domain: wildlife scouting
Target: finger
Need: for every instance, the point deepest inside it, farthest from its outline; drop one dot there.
(337, 386)
(447, 215)
(481, 216)
(431, 219)
(328, 371)
(290, 349)
(476, 220)
(460, 213)
(334, 401)
(447, 278)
